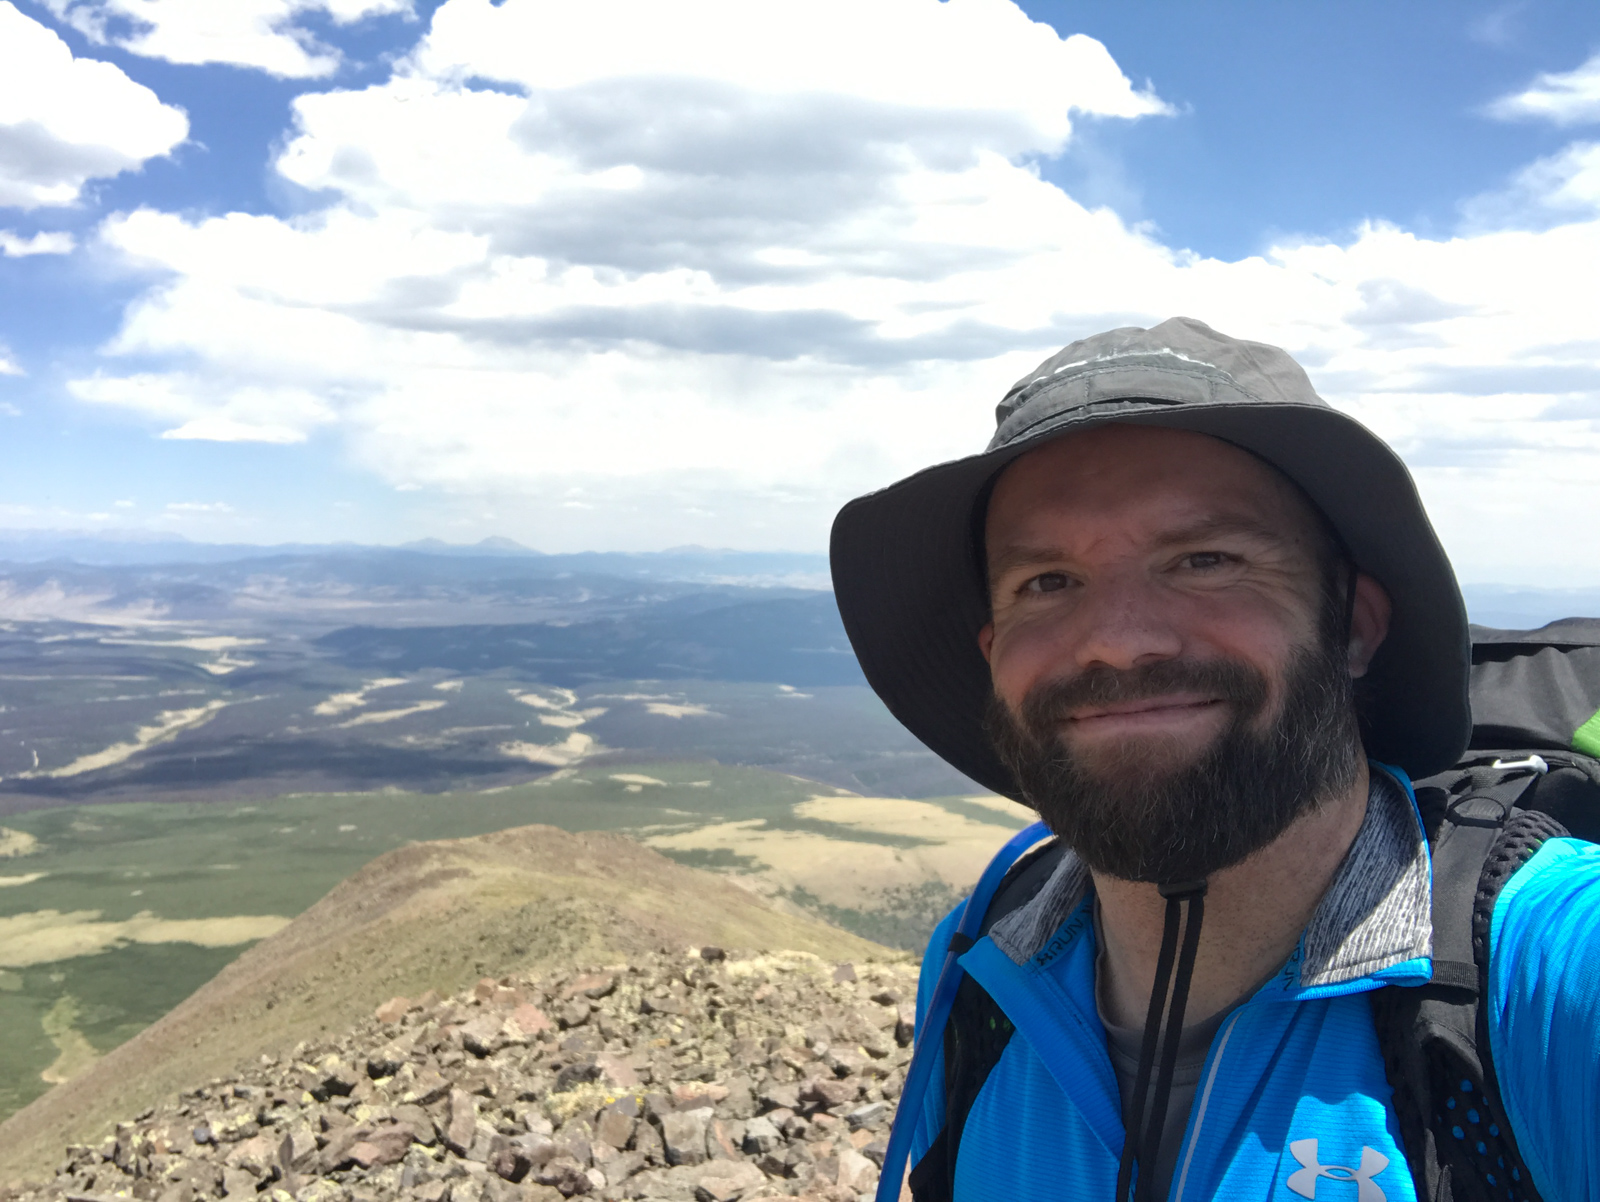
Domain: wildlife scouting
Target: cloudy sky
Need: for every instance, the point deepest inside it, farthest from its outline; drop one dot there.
(639, 273)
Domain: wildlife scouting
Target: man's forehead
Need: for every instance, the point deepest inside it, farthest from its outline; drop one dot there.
(1186, 482)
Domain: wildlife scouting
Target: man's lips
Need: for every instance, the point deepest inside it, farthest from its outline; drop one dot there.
(1144, 709)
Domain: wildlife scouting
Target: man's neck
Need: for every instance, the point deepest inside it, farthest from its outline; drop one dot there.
(1254, 914)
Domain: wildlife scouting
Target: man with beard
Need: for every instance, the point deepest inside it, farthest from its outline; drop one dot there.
(1175, 607)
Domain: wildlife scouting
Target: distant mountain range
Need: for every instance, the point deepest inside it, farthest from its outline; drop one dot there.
(505, 559)
(690, 564)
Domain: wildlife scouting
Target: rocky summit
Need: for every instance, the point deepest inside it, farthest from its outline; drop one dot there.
(704, 1075)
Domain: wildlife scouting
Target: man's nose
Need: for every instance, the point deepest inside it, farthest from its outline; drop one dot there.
(1123, 623)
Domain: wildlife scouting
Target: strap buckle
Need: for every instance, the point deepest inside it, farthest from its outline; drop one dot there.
(1531, 763)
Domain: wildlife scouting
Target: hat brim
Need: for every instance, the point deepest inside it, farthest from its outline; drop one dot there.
(912, 594)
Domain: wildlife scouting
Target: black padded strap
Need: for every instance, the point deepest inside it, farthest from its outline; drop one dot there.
(1435, 1038)
(1524, 834)
(1454, 974)
(978, 1031)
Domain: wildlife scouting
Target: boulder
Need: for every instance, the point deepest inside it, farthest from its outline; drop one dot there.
(615, 1128)
(824, 1092)
(574, 1014)
(529, 1020)
(760, 1136)
(683, 1134)
(565, 1174)
(460, 1126)
(591, 985)
(728, 1181)
(856, 1172)
(484, 1035)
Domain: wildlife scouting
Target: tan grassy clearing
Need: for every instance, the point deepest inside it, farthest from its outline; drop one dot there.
(339, 703)
(668, 710)
(73, 1052)
(226, 663)
(850, 874)
(919, 819)
(567, 699)
(571, 718)
(1002, 805)
(372, 719)
(43, 936)
(570, 750)
(16, 843)
(168, 723)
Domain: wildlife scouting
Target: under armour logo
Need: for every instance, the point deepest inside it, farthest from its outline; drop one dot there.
(1303, 1181)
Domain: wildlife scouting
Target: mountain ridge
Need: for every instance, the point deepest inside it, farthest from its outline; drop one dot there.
(426, 916)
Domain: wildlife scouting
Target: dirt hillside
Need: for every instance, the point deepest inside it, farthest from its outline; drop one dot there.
(431, 916)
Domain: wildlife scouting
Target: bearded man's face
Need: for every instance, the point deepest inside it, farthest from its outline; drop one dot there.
(1170, 650)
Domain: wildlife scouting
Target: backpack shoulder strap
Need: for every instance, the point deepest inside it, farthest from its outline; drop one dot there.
(1434, 1038)
(977, 1032)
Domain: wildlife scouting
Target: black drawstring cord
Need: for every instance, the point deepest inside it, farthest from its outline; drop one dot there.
(1147, 1051)
(1185, 903)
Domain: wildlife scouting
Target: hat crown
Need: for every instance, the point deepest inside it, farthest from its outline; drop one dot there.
(1177, 362)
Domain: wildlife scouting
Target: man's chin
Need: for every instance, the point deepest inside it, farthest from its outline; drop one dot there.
(1135, 760)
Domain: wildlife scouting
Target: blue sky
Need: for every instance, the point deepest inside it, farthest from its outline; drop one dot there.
(634, 274)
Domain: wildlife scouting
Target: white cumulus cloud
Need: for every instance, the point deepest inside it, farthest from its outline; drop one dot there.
(1566, 97)
(251, 413)
(261, 34)
(1558, 188)
(642, 274)
(721, 233)
(45, 242)
(66, 120)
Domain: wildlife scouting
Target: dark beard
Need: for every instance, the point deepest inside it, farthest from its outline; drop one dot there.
(1131, 815)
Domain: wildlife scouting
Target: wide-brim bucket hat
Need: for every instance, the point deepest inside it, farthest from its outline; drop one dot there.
(912, 589)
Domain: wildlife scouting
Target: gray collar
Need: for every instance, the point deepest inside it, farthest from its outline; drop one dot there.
(1377, 912)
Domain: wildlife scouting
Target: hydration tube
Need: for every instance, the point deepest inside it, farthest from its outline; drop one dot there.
(930, 1031)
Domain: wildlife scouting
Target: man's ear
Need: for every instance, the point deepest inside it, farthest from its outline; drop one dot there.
(986, 640)
(1369, 623)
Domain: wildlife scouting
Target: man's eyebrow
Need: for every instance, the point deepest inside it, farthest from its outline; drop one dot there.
(1010, 558)
(1221, 524)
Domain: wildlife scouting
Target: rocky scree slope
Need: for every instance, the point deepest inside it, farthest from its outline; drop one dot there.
(697, 1077)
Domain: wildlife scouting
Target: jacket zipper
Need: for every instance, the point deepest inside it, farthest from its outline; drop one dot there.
(1204, 1100)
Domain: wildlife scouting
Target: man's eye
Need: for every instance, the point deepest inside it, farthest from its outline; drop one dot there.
(1204, 561)
(1047, 582)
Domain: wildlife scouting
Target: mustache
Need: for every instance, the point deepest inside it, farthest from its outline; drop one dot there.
(1049, 704)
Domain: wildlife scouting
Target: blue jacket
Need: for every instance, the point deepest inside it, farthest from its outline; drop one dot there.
(1299, 1060)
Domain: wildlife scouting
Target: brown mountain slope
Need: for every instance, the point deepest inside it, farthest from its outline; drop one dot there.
(428, 916)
